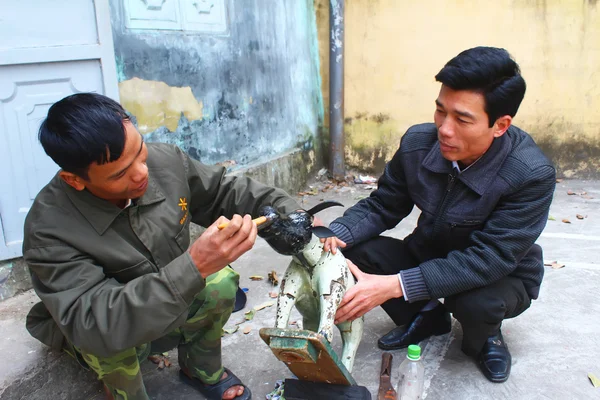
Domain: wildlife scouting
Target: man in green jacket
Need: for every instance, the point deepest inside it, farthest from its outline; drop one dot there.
(108, 246)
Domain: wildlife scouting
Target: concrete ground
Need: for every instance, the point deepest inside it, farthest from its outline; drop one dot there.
(555, 344)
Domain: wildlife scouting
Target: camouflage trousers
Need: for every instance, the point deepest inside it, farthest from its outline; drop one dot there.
(198, 342)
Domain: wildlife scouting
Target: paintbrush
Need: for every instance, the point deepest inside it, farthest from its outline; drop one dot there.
(258, 221)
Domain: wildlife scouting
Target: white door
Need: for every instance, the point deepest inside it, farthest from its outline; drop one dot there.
(48, 50)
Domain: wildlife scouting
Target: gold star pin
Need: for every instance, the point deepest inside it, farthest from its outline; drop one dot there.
(182, 203)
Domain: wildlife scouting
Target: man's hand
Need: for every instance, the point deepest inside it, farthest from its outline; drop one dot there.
(216, 248)
(369, 292)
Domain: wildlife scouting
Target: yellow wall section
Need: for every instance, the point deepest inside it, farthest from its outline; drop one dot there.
(156, 104)
(394, 49)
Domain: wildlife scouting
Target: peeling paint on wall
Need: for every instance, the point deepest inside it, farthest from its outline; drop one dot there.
(157, 104)
(248, 96)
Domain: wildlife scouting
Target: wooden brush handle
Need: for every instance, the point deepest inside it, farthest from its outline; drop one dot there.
(259, 221)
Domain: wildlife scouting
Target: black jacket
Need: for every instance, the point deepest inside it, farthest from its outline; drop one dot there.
(475, 227)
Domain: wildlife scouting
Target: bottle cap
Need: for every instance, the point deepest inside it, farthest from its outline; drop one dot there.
(414, 352)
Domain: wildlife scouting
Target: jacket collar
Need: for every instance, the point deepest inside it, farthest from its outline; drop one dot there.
(481, 174)
(101, 213)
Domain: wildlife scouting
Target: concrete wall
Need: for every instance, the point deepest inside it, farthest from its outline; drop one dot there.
(244, 98)
(394, 49)
(249, 99)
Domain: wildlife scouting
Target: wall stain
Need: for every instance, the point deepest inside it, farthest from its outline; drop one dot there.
(371, 141)
(157, 104)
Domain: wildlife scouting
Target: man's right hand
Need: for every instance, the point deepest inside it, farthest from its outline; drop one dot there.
(332, 244)
(216, 248)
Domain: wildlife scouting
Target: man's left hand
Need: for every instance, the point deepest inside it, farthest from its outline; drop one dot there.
(369, 292)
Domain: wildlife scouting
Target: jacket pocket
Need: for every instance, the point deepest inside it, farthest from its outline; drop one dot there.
(459, 233)
(129, 273)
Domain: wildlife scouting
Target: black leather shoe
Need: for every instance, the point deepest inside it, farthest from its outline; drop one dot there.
(425, 324)
(494, 360)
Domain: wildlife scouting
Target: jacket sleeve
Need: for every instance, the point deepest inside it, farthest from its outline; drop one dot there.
(510, 231)
(99, 314)
(214, 194)
(389, 204)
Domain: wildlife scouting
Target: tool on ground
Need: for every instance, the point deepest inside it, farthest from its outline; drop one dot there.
(259, 221)
(386, 389)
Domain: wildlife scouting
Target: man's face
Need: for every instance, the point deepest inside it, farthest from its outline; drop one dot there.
(462, 123)
(125, 178)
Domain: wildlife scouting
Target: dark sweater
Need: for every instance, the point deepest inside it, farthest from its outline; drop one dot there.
(475, 227)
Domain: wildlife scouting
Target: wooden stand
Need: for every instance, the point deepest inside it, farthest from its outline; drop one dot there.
(308, 355)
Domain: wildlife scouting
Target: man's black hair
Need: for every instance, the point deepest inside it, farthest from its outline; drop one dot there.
(82, 129)
(490, 71)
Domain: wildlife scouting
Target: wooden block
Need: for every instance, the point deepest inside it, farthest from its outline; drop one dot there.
(304, 390)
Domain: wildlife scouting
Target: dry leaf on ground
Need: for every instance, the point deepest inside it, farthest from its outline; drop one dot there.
(162, 361)
(554, 265)
(257, 278)
(247, 330)
(579, 216)
(595, 381)
(273, 278)
(231, 330)
(264, 305)
(566, 221)
(249, 314)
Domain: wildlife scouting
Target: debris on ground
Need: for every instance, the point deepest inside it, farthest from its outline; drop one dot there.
(572, 193)
(249, 315)
(273, 295)
(579, 216)
(551, 218)
(566, 221)
(256, 278)
(365, 179)
(273, 278)
(595, 381)
(231, 330)
(264, 305)
(247, 330)
(554, 265)
(313, 192)
(161, 359)
(559, 180)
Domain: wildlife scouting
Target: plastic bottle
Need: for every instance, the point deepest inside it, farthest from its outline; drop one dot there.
(412, 375)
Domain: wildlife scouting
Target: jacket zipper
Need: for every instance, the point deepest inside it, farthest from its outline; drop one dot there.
(444, 203)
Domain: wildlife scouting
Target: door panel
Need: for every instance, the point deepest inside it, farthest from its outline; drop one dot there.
(71, 52)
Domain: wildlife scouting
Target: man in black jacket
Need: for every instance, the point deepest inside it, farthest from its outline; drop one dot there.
(484, 189)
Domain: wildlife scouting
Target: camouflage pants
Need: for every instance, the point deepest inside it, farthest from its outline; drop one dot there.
(198, 342)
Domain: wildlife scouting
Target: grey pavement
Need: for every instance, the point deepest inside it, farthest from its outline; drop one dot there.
(554, 344)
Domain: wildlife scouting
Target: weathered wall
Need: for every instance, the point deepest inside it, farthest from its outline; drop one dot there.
(249, 96)
(249, 99)
(394, 49)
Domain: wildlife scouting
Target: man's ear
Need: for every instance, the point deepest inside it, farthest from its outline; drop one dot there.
(501, 125)
(72, 180)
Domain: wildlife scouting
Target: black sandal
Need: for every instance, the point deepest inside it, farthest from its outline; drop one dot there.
(215, 392)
